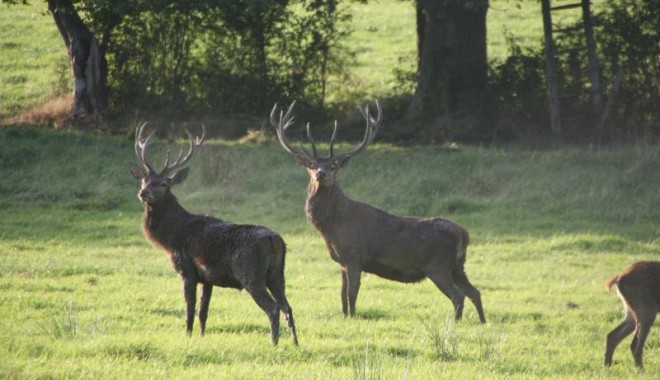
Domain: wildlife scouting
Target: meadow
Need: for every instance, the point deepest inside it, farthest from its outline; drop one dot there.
(85, 296)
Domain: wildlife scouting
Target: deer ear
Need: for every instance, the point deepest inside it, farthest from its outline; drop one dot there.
(305, 161)
(343, 162)
(179, 176)
(136, 171)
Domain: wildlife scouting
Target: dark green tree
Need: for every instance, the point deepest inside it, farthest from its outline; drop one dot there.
(452, 60)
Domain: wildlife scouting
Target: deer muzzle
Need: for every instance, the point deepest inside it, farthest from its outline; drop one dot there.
(145, 195)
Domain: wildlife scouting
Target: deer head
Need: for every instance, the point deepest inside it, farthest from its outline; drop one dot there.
(155, 186)
(323, 170)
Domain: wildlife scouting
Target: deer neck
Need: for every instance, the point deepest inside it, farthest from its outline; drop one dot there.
(324, 205)
(162, 220)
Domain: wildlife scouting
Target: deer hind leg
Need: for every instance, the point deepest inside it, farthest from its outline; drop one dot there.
(350, 287)
(204, 300)
(461, 280)
(645, 319)
(269, 306)
(618, 334)
(276, 288)
(190, 293)
(442, 278)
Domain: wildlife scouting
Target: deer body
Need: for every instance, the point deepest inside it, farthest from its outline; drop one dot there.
(638, 286)
(362, 238)
(359, 234)
(208, 251)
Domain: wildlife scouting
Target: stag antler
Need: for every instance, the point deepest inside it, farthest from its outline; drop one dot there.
(369, 133)
(142, 144)
(286, 120)
(195, 142)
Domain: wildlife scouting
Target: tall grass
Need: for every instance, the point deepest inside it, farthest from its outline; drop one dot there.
(84, 296)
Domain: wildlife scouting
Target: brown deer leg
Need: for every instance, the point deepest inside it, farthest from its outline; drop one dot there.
(645, 320)
(617, 335)
(270, 307)
(277, 290)
(442, 279)
(190, 293)
(473, 294)
(344, 292)
(204, 300)
(353, 275)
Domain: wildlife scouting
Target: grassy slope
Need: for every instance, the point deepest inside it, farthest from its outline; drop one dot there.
(33, 58)
(83, 295)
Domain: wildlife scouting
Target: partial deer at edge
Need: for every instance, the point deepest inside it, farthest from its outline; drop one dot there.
(362, 238)
(638, 287)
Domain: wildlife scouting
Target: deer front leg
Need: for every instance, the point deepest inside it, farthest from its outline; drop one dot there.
(190, 293)
(350, 288)
(344, 292)
(205, 299)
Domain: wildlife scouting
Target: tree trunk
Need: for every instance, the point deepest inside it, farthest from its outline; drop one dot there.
(87, 60)
(452, 57)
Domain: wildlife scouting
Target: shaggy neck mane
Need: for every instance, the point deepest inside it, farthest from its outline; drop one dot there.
(162, 220)
(324, 204)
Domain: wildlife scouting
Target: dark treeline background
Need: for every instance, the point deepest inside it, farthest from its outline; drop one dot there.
(183, 60)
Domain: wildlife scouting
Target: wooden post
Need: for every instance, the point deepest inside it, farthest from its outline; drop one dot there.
(594, 77)
(551, 72)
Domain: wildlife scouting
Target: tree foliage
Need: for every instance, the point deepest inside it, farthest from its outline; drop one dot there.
(217, 56)
(627, 34)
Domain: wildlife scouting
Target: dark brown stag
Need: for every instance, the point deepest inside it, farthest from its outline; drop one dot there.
(363, 238)
(638, 287)
(208, 251)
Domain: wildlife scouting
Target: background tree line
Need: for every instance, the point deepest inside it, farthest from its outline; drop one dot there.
(179, 60)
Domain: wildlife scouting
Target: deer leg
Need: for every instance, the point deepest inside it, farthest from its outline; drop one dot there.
(205, 299)
(617, 335)
(352, 282)
(461, 280)
(270, 307)
(344, 292)
(645, 320)
(190, 293)
(277, 290)
(442, 279)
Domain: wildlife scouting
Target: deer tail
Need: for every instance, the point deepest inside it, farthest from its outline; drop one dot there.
(609, 284)
(279, 247)
(463, 241)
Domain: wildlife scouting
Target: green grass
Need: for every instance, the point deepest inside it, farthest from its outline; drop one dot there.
(83, 295)
(33, 62)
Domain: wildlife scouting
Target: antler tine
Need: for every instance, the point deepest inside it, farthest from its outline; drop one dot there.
(195, 142)
(281, 125)
(141, 145)
(369, 133)
(311, 140)
(332, 141)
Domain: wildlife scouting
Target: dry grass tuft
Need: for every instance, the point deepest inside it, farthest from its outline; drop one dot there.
(54, 113)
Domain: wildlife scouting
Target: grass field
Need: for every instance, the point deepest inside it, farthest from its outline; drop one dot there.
(84, 296)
